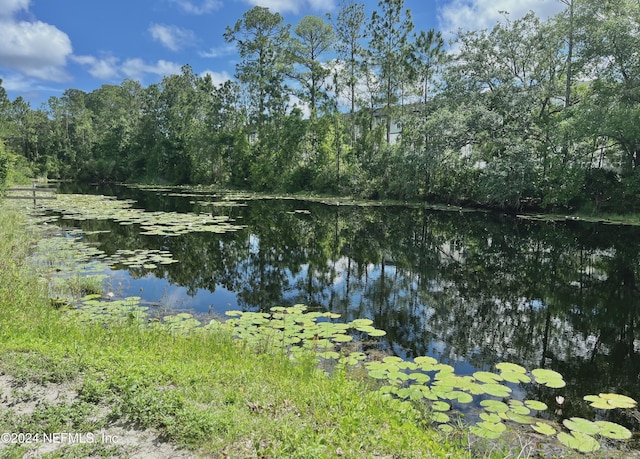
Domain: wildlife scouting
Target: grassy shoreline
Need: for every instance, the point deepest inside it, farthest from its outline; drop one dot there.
(198, 395)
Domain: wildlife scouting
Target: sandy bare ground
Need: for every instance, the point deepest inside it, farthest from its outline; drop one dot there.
(23, 399)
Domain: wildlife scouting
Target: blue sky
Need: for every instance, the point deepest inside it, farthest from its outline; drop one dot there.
(47, 46)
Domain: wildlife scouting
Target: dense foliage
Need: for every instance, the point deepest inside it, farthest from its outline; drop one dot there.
(532, 113)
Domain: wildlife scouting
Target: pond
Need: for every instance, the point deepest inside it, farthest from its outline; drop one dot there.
(469, 288)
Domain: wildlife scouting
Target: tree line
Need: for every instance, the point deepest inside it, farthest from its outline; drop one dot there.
(532, 113)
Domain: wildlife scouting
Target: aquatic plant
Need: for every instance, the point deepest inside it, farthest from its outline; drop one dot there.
(94, 207)
(427, 381)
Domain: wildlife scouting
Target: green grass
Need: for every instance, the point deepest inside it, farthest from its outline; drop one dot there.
(204, 391)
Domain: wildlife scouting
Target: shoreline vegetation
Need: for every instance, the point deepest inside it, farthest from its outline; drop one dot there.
(135, 386)
(157, 394)
(632, 219)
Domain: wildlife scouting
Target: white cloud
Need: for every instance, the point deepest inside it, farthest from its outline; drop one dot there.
(219, 51)
(9, 7)
(20, 84)
(204, 7)
(293, 6)
(172, 37)
(109, 68)
(217, 78)
(137, 68)
(103, 69)
(35, 49)
(484, 14)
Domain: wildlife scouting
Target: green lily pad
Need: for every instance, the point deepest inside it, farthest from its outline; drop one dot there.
(397, 376)
(494, 406)
(361, 323)
(488, 430)
(378, 374)
(407, 392)
(439, 417)
(487, 377)
(420, 377)
(341, 338)
(459, 396)
(520, 418)
(581, 425)
(535, 405)
(548, 378)
(443, 370)
(496, 390)
(490, 417)
(440, 406)
(518, 408)
(425, 361)
(610, 401)
(578, 441)
(544, 428)
(515, 377)
(512, 367)
(613, 430)
(376, 332)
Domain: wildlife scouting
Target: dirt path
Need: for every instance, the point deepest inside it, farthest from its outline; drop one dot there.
(27, 405)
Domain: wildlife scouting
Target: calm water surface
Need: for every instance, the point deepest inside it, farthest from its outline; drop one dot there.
(471, 289)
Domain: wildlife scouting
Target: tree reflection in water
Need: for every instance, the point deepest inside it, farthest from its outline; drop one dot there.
(471, 289)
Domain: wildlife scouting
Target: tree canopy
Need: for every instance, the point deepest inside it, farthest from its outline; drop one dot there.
(531, 113)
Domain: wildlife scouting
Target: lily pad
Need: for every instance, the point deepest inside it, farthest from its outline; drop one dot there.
(581, 425)
(515, 377)
(487, 377)
(459, 396)
(488, 430)
(361, 323)
(610, 401)
(548, 378)
(520, 418)
(420, 377)
(578, 441)
(517, 407)
(376, 332)
(496, 390)
(535, 405)
(341, 338)
(425, 361)
(494, 406)
(544, 428)
(490, 417)
(440, 406)
(613, 430)
(439, 417)
(507, 366)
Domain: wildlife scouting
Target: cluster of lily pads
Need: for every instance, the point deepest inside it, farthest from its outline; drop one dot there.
(425, 380)
(98, 309)
(297, 331)
(64, 258)
(141, 258)
(109, 311)
(96, 207)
